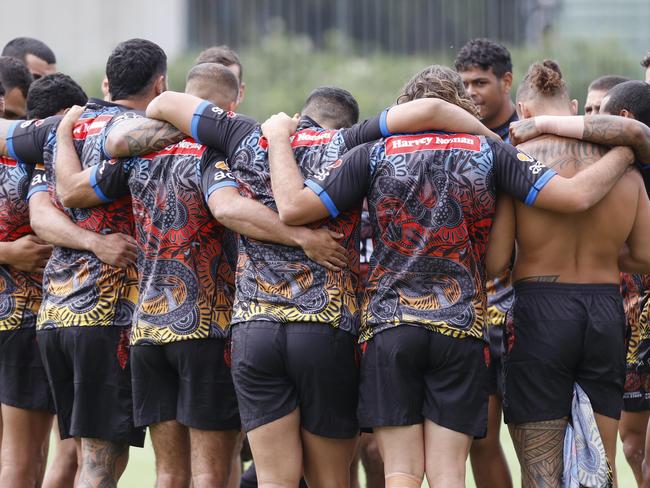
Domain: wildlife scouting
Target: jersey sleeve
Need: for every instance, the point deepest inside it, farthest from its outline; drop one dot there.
(219, 129)
(215, 173)
(343, 184)
(38, 182)
(110, 179)
(26, 139)
(519, 174)
(367, 131)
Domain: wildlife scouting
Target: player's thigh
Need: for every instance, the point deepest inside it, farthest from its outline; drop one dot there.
(277, 451)
(23, 434)
(171, 445)
(212, 450)
(402, 449)
(446, 450)
(327, 460)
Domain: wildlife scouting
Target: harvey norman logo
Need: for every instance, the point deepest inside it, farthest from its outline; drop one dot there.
(309, 137)
(431, 142)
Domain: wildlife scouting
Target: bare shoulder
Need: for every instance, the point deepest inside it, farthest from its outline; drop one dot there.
(562, 152)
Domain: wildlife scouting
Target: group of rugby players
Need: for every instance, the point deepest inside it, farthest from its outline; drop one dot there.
(168, 263)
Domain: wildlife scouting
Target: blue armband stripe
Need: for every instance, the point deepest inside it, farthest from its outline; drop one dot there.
(36, 189)
(95, 185)
(383, 126)
(324, 197)
(537, 187)
(219, 185)
(196, 118)
(10, 141)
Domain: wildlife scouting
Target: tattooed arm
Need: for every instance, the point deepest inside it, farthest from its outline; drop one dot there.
(73, 186)
(610, 130)
(134, 137)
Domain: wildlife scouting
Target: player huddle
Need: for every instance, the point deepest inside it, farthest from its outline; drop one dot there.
(166, 262)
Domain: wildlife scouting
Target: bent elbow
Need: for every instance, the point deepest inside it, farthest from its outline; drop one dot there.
(290, 215)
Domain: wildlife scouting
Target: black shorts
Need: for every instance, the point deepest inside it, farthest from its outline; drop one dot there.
(561, 334)
(23, 382)
(187, 381)
(279, 367)
(636, 397)
(495, 368)
(89, 373)
(409, 373)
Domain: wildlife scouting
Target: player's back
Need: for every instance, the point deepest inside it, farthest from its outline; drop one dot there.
(581, 247)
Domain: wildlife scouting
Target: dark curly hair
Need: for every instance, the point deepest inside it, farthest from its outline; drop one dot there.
(49, 95)
(437, 81)
(485, 54)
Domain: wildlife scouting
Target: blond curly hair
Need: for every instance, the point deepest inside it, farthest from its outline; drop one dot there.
(441, 82)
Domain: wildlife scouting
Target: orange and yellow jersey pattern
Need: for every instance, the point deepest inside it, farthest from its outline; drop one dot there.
(276, 282)
(20, 292)
(186, 275)
(78, 288)
(500, 296)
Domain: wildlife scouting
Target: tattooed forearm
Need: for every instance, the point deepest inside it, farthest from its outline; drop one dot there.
(139, 136)
(539, 447)
(102, 463)
(619, 131)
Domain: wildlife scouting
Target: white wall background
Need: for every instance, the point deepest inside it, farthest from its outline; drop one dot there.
(82, 33)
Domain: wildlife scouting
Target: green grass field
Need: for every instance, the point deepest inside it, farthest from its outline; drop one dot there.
(140, 471)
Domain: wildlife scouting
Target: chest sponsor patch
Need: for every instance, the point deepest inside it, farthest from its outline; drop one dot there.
(431, 142)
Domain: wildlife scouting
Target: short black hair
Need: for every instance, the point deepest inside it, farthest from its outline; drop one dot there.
(221, 55)
(213, 82)
(485, 54)
(2, 90)
(14, 74)
(20, 47)
(633, 96)
(645, 62)
(133, 66)
(52, 93)
(606, 83)
(332, 105)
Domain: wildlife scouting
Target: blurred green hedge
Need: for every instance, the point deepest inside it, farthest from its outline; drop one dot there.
(280, 72)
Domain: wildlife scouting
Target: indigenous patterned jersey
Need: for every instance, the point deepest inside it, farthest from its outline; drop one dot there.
(186, 278)
(431, 199)
(78, 288)
(20, 292)
(500, 296)
(635, 289)
(276, 282)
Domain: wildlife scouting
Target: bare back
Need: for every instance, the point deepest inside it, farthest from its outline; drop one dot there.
(581, 247)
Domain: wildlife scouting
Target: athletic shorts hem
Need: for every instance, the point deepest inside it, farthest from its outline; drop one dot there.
(254, 423)
(472, 430)
(368, 425)
(27, 405)
(232, 423)
(635, 405)
(539, 417)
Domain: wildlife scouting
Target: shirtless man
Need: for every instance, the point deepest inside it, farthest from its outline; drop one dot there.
(568, 323)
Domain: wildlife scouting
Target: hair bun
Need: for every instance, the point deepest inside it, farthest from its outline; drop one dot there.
(546, 77)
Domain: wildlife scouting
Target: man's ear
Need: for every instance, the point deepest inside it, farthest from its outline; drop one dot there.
(627, 114)
(161, 84)
(507, 82)
(522, 111)
(574, 107)
(240, 96)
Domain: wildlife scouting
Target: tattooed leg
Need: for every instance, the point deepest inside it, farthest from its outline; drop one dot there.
(102, 463)
(539, 449)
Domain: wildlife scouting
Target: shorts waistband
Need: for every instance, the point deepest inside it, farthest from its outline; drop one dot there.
(530, 287)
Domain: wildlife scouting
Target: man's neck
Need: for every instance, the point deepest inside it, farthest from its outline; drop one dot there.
(507, 109)
(134, 103)
(550, 110)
